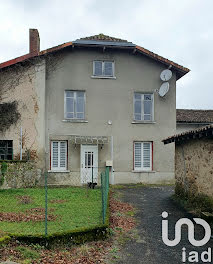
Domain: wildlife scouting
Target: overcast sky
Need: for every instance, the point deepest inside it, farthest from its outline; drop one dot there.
(178, 30)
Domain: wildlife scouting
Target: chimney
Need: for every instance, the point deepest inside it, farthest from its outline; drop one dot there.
(34, 42)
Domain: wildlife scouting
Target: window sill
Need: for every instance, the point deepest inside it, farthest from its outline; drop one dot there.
(58, 171)
(142, 171)
(74, 121)
(143, 122)
(103, 77)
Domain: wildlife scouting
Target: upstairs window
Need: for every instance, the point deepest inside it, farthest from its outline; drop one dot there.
(74, 104)
(143, 107)
(103, 68)
(58, 155)
(143, 156)
(6, 149)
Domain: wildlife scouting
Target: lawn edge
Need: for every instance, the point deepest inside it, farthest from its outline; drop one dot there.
(77, 236)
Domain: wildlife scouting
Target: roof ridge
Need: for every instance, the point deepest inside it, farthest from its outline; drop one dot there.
(103, 37)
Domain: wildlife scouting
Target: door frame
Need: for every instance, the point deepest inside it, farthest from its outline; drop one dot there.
(84, 148)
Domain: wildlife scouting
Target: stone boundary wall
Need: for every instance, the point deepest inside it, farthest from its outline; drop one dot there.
(20, 174)
(194, 166)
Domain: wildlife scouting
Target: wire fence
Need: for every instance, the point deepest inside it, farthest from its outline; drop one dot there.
(105, 192)
(56, 209)
(78, 206)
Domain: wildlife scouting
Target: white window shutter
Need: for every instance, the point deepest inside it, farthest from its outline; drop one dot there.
(63, 154)
(146, 155)
(54, 154)
(143, 156)
(137, 155)
(58, 155)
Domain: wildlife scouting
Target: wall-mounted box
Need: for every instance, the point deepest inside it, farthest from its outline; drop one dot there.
(109, 163)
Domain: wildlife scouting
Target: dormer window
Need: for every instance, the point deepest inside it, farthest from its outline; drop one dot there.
(103, 68)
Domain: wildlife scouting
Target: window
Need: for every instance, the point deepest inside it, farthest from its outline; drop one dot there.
(143, 107)
(103, 68)
(74, 104)
(143, 156)
(58, 155)
(6, 149)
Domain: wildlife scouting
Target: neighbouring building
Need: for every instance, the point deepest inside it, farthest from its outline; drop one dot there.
(190, 119)
(194, 160)
(74, 107)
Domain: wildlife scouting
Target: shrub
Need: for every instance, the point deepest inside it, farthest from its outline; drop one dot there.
(4, 240)
(198, 202)
(3, 171)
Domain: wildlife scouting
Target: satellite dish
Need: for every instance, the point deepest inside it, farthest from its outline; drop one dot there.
(163, 89)
(166, 75)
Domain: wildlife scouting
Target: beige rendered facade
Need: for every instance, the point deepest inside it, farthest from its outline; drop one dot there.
(112, 100)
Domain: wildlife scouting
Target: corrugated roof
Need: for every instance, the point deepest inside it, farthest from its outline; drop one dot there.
(103, 43)
(206, 131)
(194, 116)
(107, 41)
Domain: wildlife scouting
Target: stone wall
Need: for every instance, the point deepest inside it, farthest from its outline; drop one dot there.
(21, 174)
(25, 85)
(194, 166)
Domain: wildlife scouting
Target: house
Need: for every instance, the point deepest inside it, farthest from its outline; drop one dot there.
(190, 119)
(194, 160)
(85, 104)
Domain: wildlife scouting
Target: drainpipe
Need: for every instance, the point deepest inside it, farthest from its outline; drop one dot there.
(112, 170)
(21, 143)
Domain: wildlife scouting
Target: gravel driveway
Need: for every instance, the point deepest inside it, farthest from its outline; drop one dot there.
(149, 248)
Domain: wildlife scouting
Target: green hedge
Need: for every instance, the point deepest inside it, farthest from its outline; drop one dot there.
(4, 240)
(77, 236)
(14, 161)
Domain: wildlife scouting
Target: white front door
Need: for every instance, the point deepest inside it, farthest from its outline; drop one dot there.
(89, 163)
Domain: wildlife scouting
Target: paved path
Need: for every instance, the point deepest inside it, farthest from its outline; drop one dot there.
(149, 248)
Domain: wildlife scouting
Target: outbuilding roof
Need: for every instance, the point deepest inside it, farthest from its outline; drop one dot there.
(194, 116)
(104, 41)
(206, 131)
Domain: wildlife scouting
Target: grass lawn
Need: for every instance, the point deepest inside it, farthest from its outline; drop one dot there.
(74, 207)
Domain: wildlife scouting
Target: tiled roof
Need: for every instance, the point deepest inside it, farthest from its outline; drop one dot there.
(194, 116)
(206, 131)
(181, 71)
(103, 37)
(157, 57)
